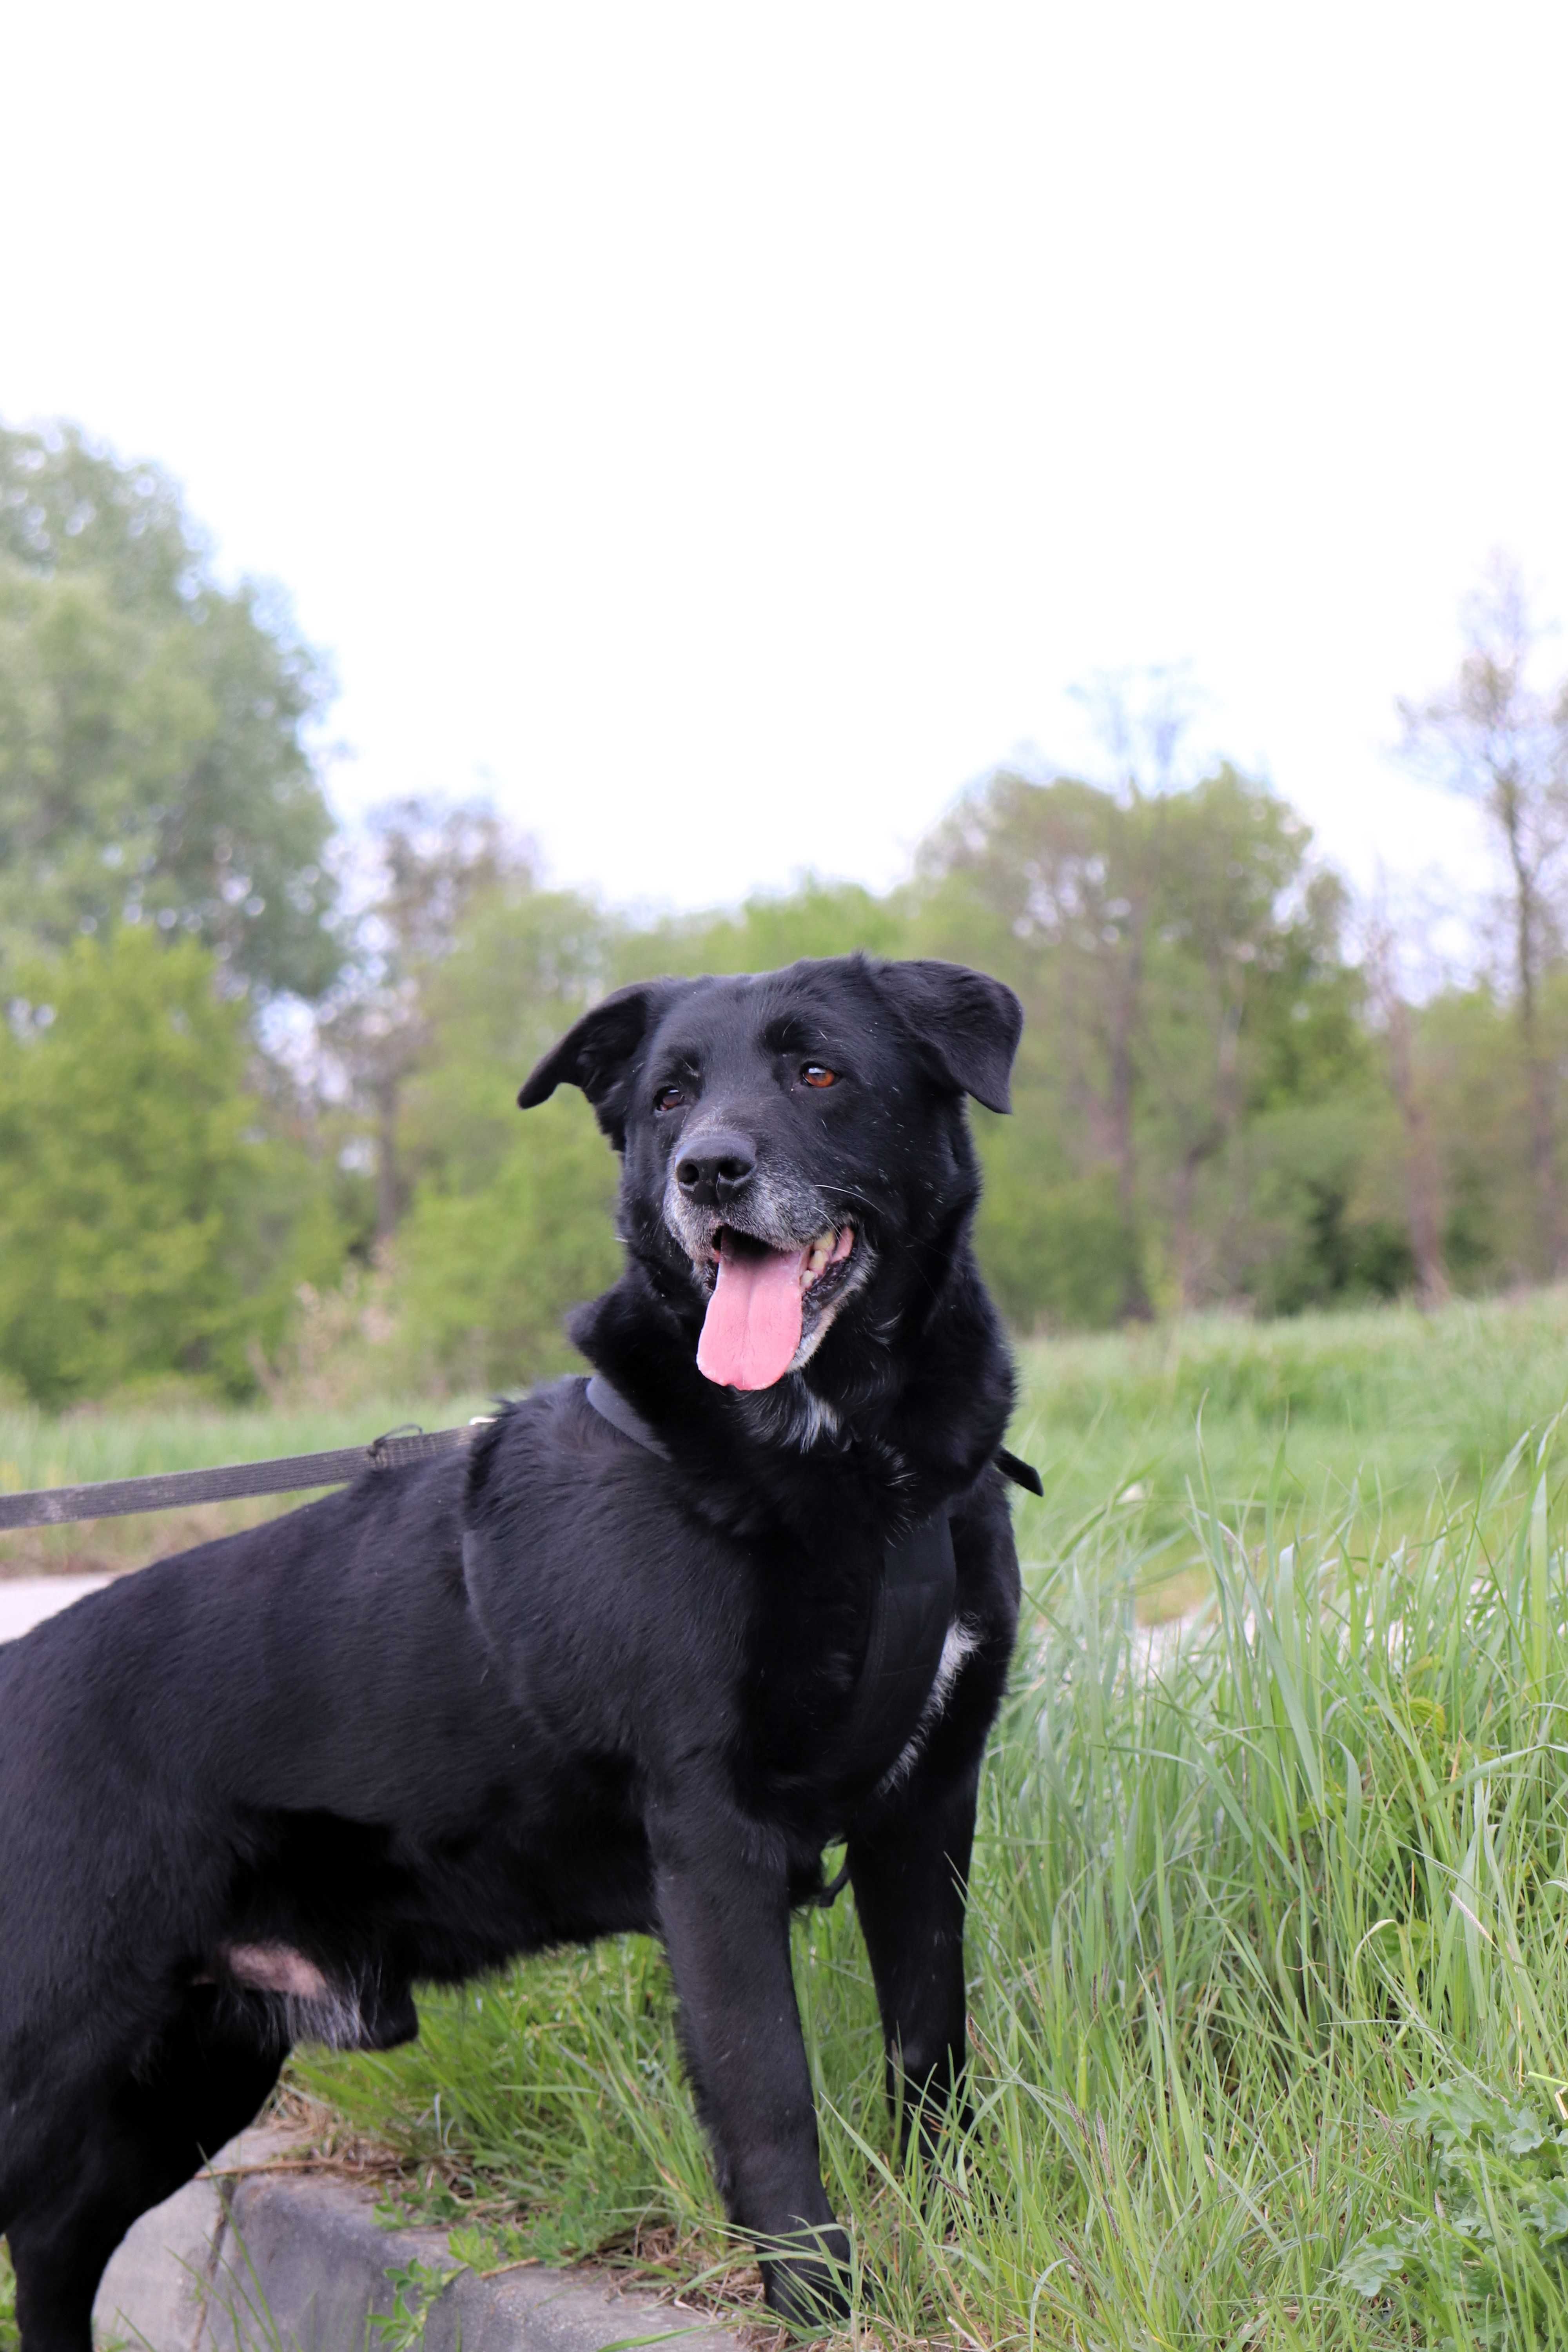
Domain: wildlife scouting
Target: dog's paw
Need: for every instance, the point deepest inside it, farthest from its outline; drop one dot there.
(808, 2279)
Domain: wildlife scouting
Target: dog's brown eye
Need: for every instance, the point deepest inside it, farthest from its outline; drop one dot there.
(817, 1074)
(669, 1099)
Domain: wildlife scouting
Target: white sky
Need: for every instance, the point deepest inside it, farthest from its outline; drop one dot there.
(720, 433)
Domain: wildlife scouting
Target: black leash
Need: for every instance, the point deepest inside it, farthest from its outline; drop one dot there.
(291, 1474)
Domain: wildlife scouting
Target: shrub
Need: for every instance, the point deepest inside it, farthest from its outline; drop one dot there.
(148, 1223)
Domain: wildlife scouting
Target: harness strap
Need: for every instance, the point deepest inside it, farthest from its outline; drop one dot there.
(911, 1612)
(912, 1609)
(1023, 1473)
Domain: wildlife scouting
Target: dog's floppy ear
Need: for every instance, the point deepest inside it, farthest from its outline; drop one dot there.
(596, 1055)
(967, 1024)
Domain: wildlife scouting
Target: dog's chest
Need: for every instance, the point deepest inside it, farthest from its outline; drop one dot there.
(850, 1689)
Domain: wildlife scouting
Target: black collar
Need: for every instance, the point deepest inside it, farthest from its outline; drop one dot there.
(621, 1414)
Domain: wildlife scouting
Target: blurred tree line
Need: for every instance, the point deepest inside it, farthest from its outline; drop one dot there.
(248, 1059)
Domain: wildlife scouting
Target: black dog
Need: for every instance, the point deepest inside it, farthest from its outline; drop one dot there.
(632, 1664)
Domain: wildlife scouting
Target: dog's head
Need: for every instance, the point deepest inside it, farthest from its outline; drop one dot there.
(786, 1134)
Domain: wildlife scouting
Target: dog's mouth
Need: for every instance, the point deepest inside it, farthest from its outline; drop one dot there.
(752, 1334)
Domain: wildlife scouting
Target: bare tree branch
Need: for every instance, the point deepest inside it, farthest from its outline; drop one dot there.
(1494, 738)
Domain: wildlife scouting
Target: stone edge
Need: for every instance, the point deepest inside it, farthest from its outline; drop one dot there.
(246, 2259)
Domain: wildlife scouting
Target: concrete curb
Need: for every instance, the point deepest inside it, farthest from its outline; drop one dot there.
(281, 2262)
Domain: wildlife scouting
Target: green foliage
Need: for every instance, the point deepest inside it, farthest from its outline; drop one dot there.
(1308, 1230)
(146, 1224)
(774, 928)
(152, 728)
(523, 967)
(1477, 1083)
(66, 506)
(1052, 1244)
(512, 1222)
(1493, 2246)
(490, 1272)
(415, 2286)
(1371, 1421)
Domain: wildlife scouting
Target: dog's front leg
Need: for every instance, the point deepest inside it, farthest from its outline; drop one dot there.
(910, 1870)
(723, 1910)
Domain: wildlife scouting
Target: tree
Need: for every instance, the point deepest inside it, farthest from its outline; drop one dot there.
(1422, 1175)
(1224, 860)
(773, 928)
(1053, 879)
(487, 1276)
(1493, 736)
(155, 760)
(512, 1218)
(432, 863)
(1179, 965)
(148, 1225)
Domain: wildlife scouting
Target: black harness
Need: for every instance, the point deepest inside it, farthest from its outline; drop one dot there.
(911, 1612)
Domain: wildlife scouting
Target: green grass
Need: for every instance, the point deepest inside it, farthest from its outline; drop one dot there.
(1373, 1420)
(1246, 1930)
(1269, 1949)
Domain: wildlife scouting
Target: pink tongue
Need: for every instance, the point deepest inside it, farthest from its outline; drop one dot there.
(752, 1325)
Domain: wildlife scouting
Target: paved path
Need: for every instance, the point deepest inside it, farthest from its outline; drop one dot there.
(24, 1599)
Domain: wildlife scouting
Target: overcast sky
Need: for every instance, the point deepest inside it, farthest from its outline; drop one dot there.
(720, 433)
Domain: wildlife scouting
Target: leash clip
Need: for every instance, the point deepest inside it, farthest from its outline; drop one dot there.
(376, 1453)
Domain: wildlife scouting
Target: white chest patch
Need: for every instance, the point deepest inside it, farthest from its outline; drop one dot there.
(961, 1641)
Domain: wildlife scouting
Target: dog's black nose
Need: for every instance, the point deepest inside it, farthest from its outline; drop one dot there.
(714, 1170)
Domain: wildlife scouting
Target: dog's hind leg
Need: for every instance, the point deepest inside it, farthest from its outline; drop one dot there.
(204, 2082)
(910, 1874)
